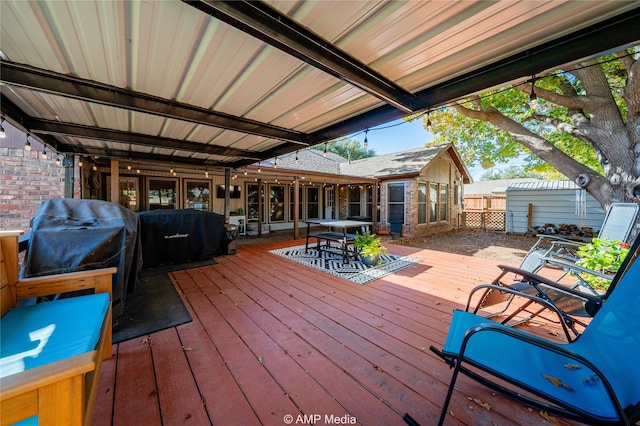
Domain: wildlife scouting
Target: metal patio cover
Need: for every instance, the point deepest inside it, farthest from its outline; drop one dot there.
(216, 83)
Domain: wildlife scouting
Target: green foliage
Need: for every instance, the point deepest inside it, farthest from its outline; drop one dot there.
(511, 172)
(345, 146)
(601, 255)
(482, 143)
(369, 245)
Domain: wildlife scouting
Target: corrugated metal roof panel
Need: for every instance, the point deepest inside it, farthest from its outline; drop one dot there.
(174, 52)
(542, 185)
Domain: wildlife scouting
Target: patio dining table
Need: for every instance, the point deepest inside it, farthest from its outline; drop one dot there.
(338, 231)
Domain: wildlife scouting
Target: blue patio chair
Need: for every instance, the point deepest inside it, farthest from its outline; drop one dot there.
(593, 379)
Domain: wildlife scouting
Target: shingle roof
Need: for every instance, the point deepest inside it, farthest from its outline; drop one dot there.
(311, 160)
(397, 163)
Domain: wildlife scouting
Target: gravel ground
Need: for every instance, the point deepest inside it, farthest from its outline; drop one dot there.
(493, 245)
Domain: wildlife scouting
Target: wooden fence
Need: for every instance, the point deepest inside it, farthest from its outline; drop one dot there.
(484, 212)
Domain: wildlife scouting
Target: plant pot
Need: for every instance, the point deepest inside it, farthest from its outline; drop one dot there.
(370, 261)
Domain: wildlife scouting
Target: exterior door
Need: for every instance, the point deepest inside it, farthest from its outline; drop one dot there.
(329, 202)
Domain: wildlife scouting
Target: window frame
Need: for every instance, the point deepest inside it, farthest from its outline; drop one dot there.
(389, 203)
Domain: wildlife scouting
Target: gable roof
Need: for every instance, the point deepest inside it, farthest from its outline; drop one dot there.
(409, 162)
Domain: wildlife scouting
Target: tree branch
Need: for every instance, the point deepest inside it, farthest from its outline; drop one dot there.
(631, 95)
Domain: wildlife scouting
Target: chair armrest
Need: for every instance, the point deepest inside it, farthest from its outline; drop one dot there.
(35, 378)
(535, 279)
(55, 392)
(98, 279)
(535, 299)
(573, 267)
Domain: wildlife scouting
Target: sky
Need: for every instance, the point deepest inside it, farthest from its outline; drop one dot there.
(398, 136)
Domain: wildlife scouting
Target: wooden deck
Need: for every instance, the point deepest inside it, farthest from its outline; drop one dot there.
(271, 338)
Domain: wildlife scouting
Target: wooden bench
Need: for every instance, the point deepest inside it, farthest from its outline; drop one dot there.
(345, 241)
(50, 373)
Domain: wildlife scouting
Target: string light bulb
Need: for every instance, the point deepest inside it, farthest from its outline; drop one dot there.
(206, 173)
(324, 154)
(27, 144)
(129, 165)
(2, 132)
(533, 98)
(275, 163)
(245, 170)
(297, 162)
(138, 168)
(80, 162)
(171, 169)
(57, 160)
(44, 153)
(366, 141)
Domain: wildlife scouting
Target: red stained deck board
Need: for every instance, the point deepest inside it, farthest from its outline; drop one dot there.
(136, 400)
(268, 400)
(306, 393)
(179, 398)
(357, 400)
(103, 409)
(374, 367)
(270, 270)
(314, 331)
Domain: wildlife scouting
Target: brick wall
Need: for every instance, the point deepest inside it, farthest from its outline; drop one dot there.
(25, 181)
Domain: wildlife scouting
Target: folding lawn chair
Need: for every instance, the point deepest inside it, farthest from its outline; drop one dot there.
(560, 254)
(617, 225)
(593, 379)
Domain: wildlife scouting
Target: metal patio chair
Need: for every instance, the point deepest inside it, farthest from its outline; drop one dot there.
(593, 379)
(617, 225)
(559, 254)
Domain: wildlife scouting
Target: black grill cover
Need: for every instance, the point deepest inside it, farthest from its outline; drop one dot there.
(69, 235)
(178, 236)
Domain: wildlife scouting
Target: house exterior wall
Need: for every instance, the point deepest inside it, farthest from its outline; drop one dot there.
(555, 206)
(441, 171)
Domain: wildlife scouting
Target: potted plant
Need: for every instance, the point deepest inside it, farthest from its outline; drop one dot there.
(370, 248)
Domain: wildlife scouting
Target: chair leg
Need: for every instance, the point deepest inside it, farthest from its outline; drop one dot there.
(447, 400)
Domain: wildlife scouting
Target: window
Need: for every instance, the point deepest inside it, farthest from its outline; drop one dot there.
(276, 203)
(128, 193)
(444, 205)
(197, 195)
(291, 205)
(433, 202)
(353, 195)
(252, 202)
(163, 194)
(395, 202)
(313, 202)
(422, 203)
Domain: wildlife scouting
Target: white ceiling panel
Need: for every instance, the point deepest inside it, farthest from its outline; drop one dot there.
(239, 81)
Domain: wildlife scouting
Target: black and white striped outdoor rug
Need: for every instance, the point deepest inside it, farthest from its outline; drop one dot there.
(332, 263)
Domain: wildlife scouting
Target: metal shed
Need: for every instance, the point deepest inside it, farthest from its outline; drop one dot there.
(554, 202)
